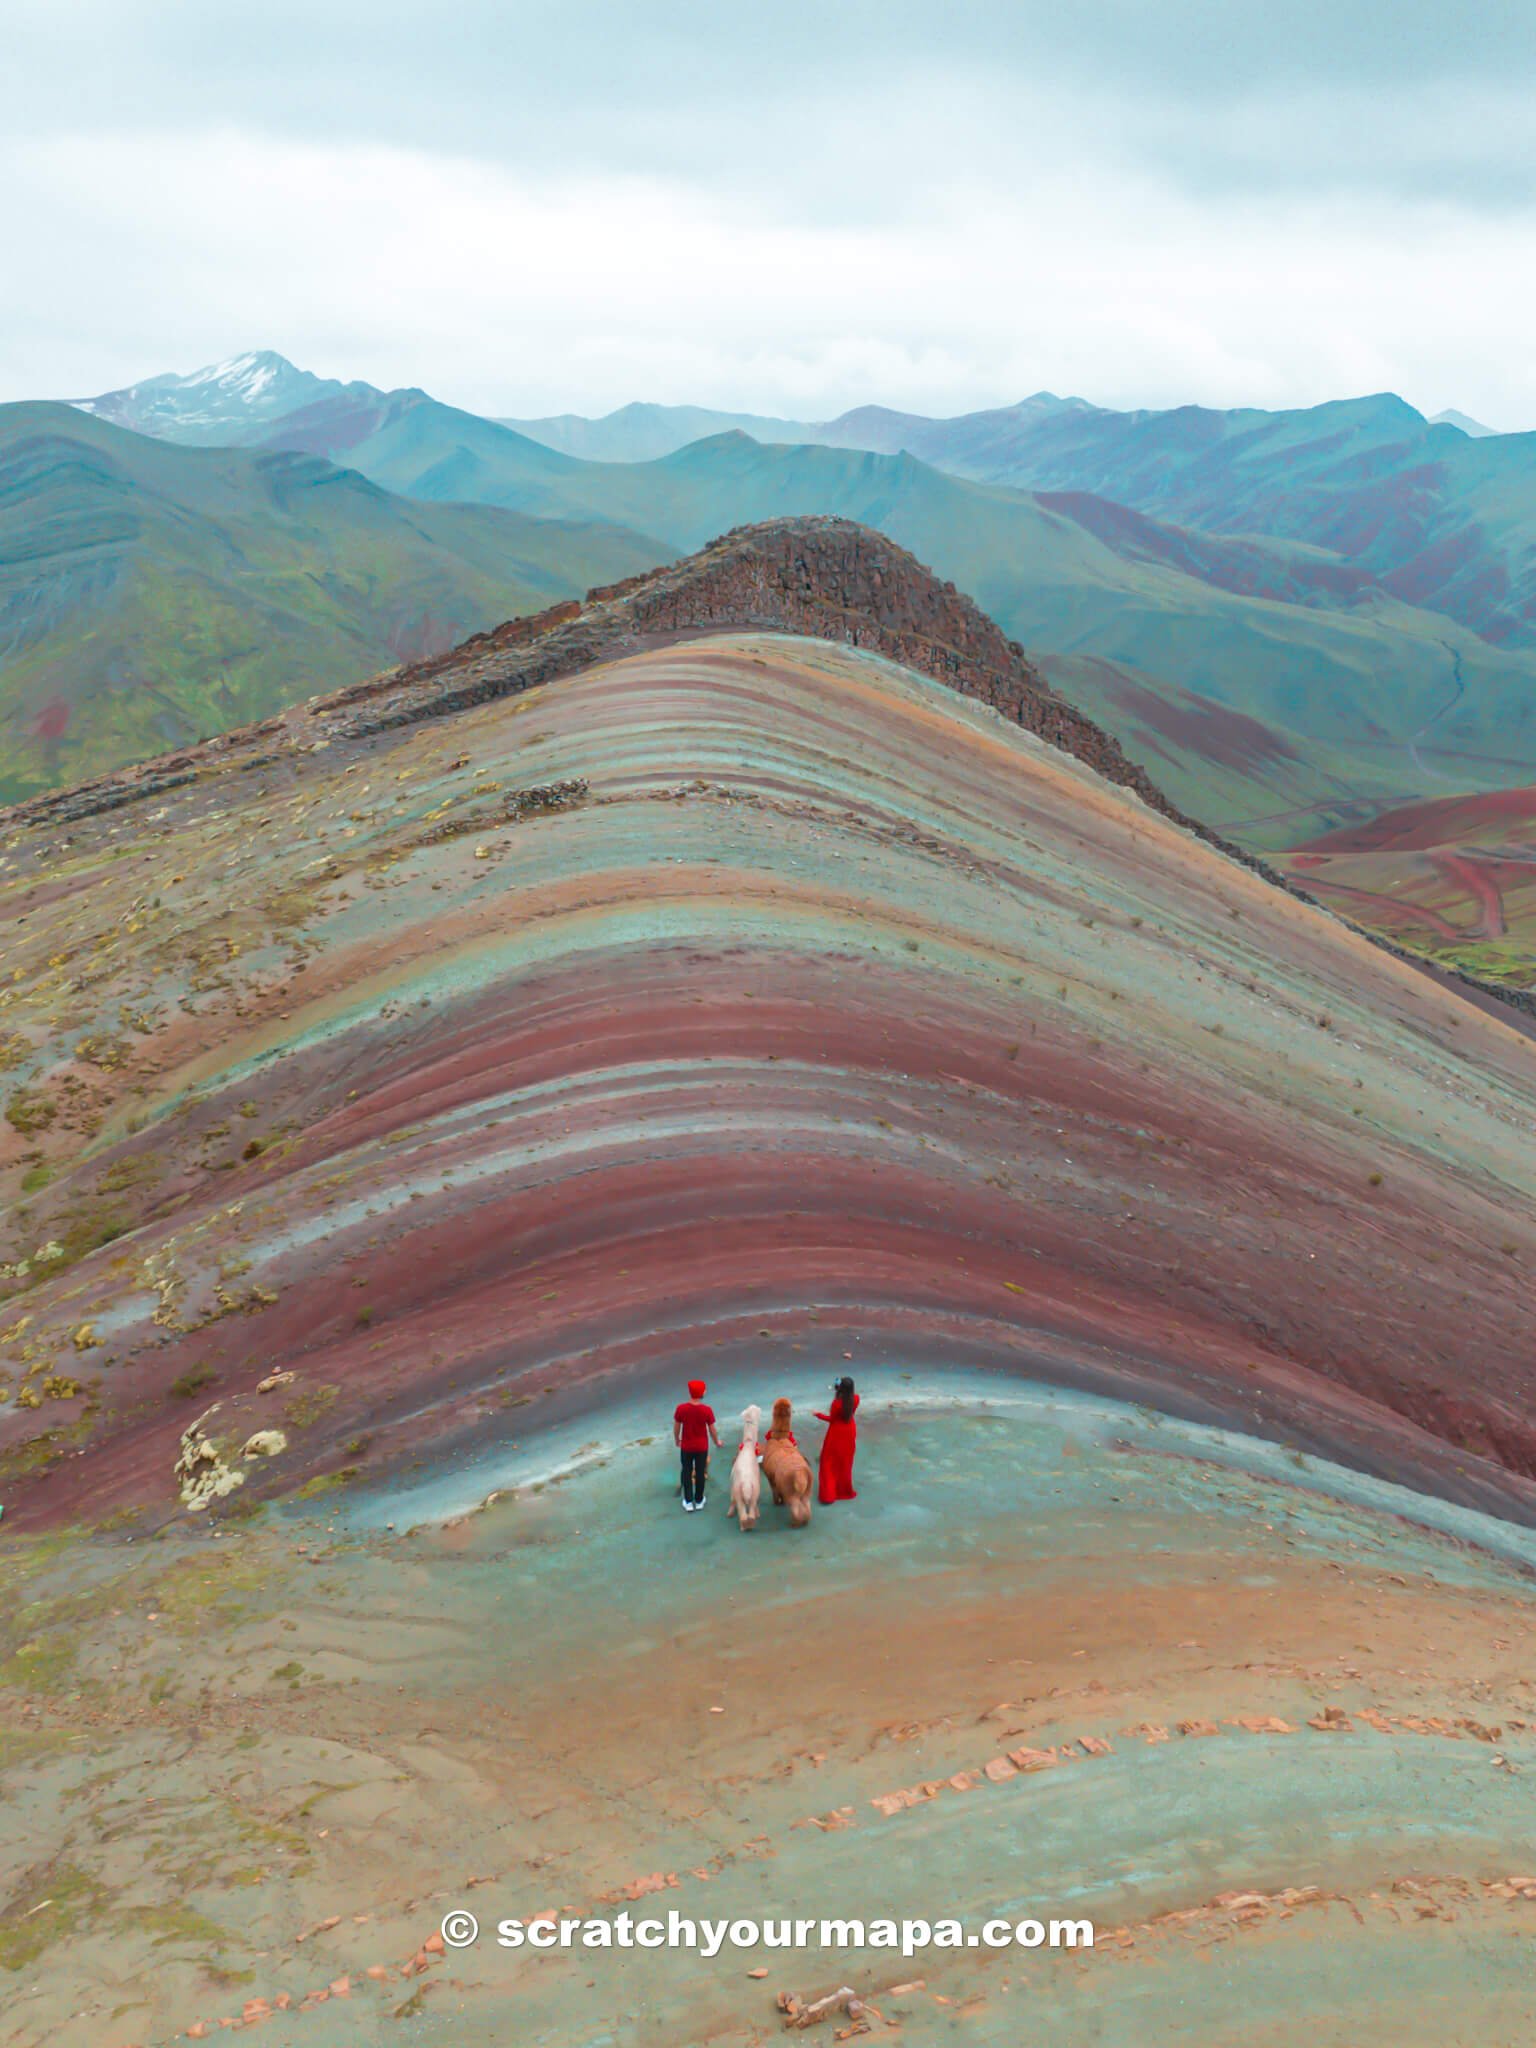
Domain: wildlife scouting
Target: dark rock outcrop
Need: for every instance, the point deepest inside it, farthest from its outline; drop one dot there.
(829, 578)
(826, 577)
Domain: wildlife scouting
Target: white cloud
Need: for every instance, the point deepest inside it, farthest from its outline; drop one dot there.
(1000, 257)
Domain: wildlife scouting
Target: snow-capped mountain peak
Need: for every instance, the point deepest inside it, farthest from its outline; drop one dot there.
(250, 374)
(232, 401)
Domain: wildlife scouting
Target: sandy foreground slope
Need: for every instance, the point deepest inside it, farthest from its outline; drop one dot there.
(1271, 1739)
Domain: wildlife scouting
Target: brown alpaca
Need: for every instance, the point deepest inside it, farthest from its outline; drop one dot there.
(785, 1467)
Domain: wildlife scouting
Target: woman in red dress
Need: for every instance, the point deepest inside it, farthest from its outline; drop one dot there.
(839, 1444)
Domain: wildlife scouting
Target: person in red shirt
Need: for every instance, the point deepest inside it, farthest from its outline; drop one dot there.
(840, 1443)
(693, 1429)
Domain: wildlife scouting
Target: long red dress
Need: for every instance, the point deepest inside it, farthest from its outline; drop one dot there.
(837, 1451)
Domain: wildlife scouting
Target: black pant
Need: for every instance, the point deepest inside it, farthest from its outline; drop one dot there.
(694, 1463)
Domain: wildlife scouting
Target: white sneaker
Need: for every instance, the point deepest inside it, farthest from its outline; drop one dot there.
(702, 1501)
(687, 1507)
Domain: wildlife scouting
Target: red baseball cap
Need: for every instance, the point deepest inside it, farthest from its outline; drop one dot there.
(696, 1388)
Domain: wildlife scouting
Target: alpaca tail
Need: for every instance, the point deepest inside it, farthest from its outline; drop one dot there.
(800, 1510)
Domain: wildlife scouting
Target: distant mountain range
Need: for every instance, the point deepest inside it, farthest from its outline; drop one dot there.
(151, 595)
(1279, 689)
(640, 433)
(1298, 620)
(1441, 514)
(1452, 418)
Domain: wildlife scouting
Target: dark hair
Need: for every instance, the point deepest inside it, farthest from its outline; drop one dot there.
(844, 1393)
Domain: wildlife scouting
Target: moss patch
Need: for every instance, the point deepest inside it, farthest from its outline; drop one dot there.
(177, 1923)
(193, 1381)
(327, 1482)
(209, 1593)
(51, 1902)
(309, 1405)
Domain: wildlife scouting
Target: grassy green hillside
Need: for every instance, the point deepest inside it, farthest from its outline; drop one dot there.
(153, 594)
(1262, 783)
(1443, 519)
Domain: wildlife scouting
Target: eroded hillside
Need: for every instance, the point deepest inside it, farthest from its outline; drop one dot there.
(462, 1046)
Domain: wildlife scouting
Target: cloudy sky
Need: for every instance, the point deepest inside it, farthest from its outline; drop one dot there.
(540, 205)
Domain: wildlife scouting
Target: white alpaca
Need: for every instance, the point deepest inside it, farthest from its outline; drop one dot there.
(746, 1480)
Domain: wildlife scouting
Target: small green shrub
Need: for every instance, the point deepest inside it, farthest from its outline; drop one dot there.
(28, 1111)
